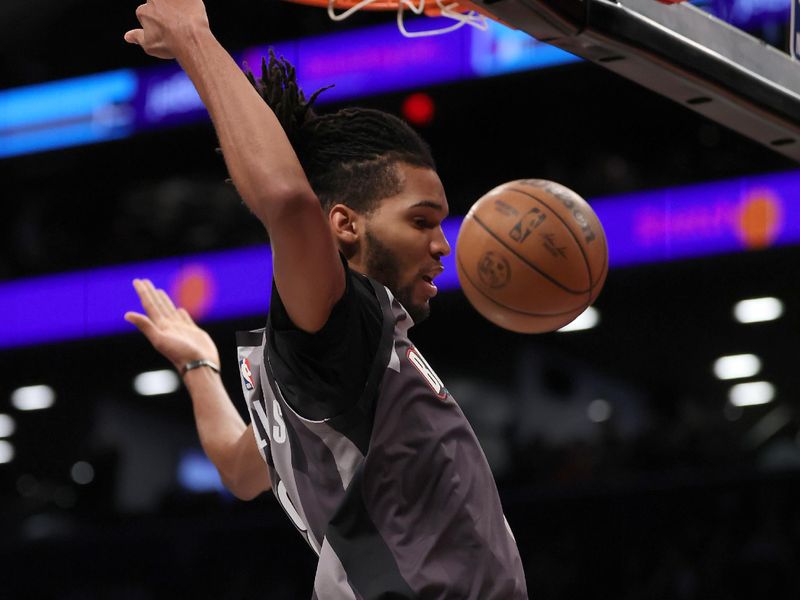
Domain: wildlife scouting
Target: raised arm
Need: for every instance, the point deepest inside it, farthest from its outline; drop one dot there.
(225, 438)
(259, 157)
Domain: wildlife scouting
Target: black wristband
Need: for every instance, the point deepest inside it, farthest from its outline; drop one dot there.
(196, 364)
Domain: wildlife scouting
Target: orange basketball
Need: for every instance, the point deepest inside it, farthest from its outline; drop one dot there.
(531, 255)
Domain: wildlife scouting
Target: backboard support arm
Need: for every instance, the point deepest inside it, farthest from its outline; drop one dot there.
(679, 52)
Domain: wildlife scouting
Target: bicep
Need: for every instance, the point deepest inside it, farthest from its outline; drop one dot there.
(306, 265)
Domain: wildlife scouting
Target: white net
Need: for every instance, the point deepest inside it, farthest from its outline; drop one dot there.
(450, 10)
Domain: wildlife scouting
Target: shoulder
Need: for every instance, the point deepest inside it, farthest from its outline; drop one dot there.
(359, 302)
(324, 373)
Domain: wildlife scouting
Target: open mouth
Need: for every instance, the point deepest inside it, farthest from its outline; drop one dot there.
(430, 287)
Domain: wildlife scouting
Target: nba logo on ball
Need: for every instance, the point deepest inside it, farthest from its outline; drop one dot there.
(247, 375)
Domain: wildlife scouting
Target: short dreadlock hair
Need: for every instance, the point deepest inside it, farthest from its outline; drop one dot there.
(349, 156)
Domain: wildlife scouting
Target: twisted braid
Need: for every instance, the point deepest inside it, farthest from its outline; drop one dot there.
(349, 156)
(278, 88)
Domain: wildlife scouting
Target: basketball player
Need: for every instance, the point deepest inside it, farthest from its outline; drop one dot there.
(365, 449)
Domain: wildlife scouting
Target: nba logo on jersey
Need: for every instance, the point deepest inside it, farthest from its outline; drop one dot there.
(416, 359)
(247, 375)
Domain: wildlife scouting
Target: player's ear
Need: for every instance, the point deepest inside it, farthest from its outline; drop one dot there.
(345, 224)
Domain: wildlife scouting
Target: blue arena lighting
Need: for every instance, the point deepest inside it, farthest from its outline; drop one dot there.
(361, 62)
(198, 474)
(61, 136)
(64, 100)
(744, 214)
(65, 113)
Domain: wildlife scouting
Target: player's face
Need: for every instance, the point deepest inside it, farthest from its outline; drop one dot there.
(404, 241)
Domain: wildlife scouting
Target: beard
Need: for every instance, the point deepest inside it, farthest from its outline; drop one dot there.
(383, 266)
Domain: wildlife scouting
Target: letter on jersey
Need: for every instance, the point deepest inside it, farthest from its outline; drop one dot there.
(279, 429)
(262, 419)
(416, 359)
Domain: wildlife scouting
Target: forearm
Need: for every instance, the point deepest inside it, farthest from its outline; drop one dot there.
(219, 425)
(262, 164)
(226, 440)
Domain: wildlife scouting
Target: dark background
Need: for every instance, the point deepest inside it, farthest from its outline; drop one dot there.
(672, 497)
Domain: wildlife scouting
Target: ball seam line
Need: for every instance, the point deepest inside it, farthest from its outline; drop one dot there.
(533, 266)
(511, 308)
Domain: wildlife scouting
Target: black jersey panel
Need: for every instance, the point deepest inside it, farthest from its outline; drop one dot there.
(323, 374)
(356, 424)
(369, 563)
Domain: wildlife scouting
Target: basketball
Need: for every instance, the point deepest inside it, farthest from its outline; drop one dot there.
(531, 256)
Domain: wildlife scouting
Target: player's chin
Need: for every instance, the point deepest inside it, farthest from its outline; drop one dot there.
(419, 311)
(415, 298)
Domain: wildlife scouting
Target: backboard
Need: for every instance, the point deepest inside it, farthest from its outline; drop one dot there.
(680, 52)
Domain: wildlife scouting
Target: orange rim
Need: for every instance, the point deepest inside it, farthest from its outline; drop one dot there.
(391, 5)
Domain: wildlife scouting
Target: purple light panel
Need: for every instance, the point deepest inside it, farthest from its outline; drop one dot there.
(166, 97)
(749, 14)
(700, 220)
(92, 303)
(723, 217)
(372, 60)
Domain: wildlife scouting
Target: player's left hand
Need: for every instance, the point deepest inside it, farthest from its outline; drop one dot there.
(167, 25)
(170, 330)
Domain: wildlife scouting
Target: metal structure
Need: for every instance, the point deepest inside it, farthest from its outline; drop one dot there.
(678, 51)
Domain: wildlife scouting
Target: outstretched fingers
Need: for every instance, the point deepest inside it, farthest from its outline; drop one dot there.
(160, 299)
(141, 322)
(153, 301)
(157, 303)
(185, 316)
(166, 303)
(147, 297)
(169, 329)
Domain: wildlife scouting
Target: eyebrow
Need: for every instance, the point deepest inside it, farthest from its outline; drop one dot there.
(427, 204)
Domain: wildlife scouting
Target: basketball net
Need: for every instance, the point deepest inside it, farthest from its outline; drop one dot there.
(461, 12)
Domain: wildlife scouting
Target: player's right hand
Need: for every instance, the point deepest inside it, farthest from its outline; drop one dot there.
(170, 330)
(167, 25)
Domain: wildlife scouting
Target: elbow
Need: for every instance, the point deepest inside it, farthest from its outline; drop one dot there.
(285, 204)
(243, 494)
(247, 485)
(242, 490)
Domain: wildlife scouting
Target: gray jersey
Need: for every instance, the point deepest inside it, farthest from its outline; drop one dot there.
(395, 494)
